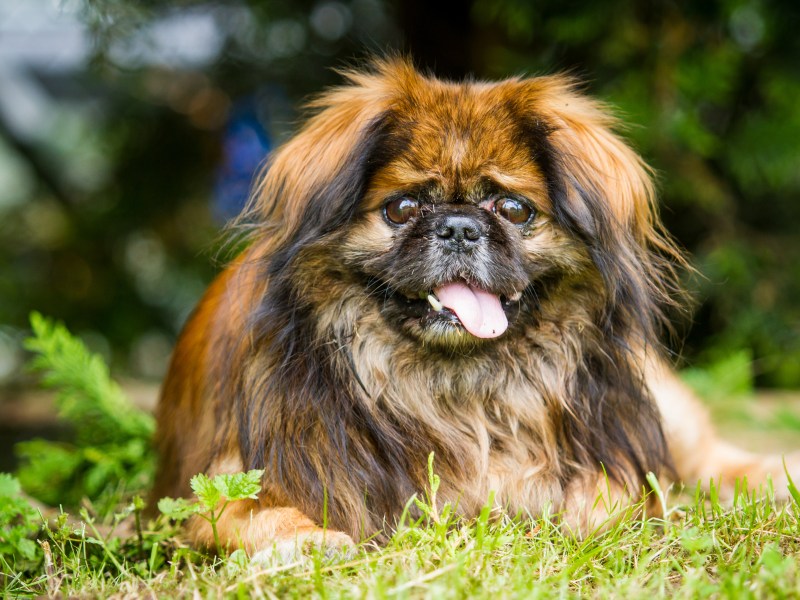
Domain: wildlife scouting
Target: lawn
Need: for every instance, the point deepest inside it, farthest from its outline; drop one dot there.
(702, 549)
(103, 546)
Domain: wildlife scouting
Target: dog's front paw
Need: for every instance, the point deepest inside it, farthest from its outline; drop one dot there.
(303, 545)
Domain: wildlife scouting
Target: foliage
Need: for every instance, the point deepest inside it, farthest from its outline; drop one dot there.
(213, 497)
(111, 452)
(18, 522)
(87, 395)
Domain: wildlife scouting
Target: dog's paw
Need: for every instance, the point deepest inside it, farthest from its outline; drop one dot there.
(303, 546)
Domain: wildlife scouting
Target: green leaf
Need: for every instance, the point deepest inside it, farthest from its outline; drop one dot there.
(9, 486)
(239, 486)
(205, 490)
(793, 491)
(19, 521)
(237, 563)
(178, 508)
(27, 548)
(433, 479)
(87, 396)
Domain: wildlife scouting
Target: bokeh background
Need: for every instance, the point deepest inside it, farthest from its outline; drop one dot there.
(130, 132)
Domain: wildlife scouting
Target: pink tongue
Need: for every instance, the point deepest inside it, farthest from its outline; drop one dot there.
(479, 312)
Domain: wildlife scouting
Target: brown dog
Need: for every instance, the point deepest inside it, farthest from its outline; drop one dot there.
(471, 269)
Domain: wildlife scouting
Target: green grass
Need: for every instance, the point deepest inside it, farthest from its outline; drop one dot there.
(701, 549)
(748, 548)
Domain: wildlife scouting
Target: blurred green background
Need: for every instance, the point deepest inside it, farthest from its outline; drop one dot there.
(130, 131)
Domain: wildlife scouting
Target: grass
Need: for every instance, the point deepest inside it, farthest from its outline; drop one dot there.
(702, 549)
(748, 548)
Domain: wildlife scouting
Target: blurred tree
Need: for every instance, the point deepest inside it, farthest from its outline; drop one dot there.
(108, 218)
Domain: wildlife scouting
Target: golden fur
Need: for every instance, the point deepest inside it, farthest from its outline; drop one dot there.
(295, 362)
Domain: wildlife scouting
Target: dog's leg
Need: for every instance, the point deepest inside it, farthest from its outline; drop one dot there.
(264, 532)
(260, 527)
(698, 453)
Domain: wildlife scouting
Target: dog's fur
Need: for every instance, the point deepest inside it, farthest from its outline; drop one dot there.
(302, 358)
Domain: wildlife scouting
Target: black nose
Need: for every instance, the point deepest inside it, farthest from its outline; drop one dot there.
(460, 229)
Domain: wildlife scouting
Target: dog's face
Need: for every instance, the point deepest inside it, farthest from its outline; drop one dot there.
(452, 212)
(456, 228)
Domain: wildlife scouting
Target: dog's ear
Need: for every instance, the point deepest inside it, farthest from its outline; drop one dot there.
(315, 180)
(603, 192)
(596, 164)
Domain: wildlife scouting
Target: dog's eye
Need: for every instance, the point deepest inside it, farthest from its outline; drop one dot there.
(513, 210)
(401, 210)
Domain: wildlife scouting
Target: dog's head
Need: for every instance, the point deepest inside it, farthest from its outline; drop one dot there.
(458, 212)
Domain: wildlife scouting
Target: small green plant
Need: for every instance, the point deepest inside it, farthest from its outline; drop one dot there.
(213, 497)
(19, 521)
(430, 507)
(112, 437)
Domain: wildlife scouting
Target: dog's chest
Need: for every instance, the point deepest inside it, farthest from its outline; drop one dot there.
(514, 458)
(496, 436)
(492, 421)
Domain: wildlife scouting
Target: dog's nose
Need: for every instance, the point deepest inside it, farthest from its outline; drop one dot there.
(459, 229)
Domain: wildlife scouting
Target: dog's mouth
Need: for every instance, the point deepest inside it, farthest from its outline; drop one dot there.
(458, 306)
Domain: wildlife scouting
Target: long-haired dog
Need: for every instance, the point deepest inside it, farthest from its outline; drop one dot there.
(471, 269)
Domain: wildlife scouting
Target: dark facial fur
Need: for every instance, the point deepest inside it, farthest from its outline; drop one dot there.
(342, 379)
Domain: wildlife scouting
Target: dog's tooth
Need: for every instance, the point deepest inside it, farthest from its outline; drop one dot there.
(434, 302)
(515, 297)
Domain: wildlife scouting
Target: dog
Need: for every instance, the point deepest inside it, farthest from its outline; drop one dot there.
(474, 270)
